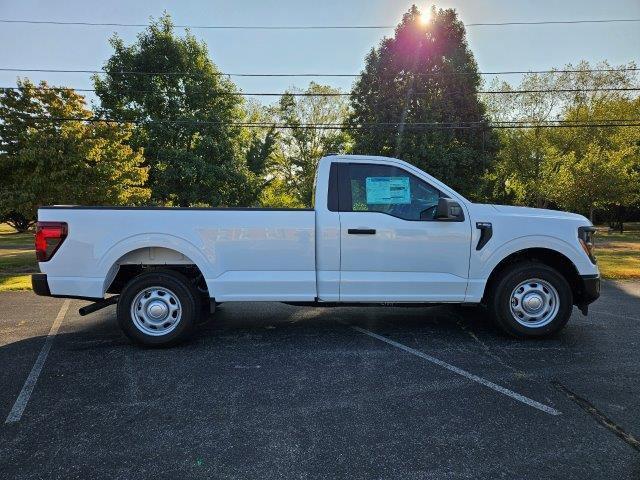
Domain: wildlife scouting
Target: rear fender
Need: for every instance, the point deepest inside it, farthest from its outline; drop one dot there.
(108, 265)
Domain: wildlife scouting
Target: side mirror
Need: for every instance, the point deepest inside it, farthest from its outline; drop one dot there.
(449, 210)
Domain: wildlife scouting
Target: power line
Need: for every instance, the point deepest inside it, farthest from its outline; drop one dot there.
(342, 94)
(624, 122)
(425, 74)
(554, 22)
(309, 27)
(100, 119)
(563, 90)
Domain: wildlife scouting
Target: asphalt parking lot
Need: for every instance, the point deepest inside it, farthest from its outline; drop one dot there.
(274, 391)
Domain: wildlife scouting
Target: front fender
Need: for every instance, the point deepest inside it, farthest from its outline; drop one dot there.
(489, 259)
(482, 263)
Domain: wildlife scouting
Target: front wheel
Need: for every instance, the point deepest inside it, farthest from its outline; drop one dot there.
(531, 300)
(158, 308)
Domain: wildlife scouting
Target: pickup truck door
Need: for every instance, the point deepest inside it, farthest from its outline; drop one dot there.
(391, 247)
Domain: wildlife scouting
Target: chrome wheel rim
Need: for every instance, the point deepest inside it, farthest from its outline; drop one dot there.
(534, 303)
(156, 311)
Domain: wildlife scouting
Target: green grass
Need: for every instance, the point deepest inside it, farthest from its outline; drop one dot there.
(14, 260)
(10, 283)
(618, 254)
(10, 238)
(17, 259)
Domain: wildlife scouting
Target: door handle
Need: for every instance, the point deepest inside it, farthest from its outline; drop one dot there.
(361, 231)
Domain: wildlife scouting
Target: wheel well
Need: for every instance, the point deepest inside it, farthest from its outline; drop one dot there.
(549, 257)
(143, 260)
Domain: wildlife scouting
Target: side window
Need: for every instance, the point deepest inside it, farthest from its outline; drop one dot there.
(390, 190)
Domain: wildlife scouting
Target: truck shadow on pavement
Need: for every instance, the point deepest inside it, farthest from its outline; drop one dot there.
(619, 304)
(264, 380)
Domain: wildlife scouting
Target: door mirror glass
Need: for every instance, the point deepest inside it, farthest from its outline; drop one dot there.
(449, 210)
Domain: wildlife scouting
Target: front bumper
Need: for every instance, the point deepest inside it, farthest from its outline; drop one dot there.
(588, 291)
(40, 285)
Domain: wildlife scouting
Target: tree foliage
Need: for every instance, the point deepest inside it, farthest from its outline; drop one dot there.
(186, 119)
(424, 74)
(300, 148)
(584, 168)
(44, 161)
(179, 124)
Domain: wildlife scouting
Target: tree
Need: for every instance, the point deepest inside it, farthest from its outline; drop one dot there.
(186, 116)
(585, 168)
(524, 168)
(526, 162)
(263, 143)
(46, 160)
(300, 147)
(424, 74)
(601, 167)
(598, 179)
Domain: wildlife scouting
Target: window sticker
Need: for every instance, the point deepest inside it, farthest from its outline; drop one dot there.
(388, 190)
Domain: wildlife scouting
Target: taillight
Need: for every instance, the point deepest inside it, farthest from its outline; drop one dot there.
(49, 237)
(585, 235)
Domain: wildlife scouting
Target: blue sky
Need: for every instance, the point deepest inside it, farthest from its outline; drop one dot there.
(339, 51)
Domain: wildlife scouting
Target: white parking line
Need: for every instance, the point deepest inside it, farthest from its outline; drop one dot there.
(23, 398)
(464, 373)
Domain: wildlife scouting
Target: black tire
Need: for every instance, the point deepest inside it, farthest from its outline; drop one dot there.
(499, 301)
(179, 288)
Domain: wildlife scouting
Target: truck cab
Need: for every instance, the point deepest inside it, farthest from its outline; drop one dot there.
(381, 237)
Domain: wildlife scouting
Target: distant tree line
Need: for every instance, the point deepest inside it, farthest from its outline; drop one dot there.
(188, 139)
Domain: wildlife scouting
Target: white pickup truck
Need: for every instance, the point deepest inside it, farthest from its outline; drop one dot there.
(382, 232)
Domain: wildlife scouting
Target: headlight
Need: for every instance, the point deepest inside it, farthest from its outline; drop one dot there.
(585, 236)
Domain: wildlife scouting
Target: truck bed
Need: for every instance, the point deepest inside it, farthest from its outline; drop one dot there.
(242, 253)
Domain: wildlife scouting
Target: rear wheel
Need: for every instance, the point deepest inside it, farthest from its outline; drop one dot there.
(530, 300)
(158, 308)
